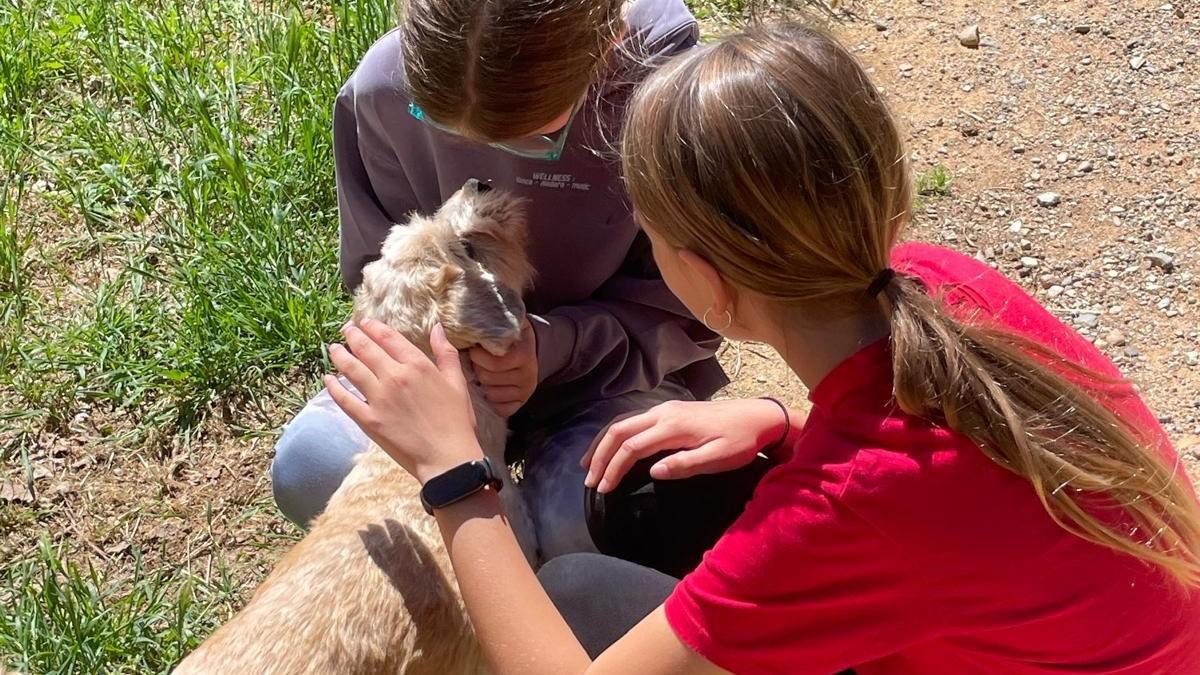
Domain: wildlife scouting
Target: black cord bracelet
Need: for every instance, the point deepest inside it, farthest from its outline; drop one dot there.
(787, 426)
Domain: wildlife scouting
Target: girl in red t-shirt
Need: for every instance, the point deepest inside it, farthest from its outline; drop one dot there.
(974, 491)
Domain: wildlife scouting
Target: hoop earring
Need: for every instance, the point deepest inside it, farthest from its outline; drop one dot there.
(728, 321)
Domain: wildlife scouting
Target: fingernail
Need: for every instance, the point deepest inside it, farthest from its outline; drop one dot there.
(604, 486)
(660, 471)
(346, 326)
(333, 346)
(367, 321)
(589, 480)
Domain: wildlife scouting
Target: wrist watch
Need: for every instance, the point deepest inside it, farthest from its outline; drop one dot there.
(459, 483)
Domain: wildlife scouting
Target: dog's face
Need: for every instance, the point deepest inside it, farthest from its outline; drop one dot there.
(464, 267)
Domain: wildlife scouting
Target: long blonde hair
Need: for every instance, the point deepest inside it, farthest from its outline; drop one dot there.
(772, 155)
(499, 69)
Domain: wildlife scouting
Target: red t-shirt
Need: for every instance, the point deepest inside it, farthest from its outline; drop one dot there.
(893, 545)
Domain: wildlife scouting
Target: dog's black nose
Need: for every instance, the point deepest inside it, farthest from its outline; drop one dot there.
(478, 186)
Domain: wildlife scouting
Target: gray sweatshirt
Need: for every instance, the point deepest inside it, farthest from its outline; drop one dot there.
(605, 322)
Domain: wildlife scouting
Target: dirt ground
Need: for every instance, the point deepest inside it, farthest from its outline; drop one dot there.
(1096, 102)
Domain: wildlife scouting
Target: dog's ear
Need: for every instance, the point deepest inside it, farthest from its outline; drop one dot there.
(502, 218)
(480, 311)
(503, 257)
(497, 234)
(440, 279)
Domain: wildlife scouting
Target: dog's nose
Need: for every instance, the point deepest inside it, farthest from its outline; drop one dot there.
(478, 186)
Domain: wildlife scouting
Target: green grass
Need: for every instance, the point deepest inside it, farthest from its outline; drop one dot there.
(63, 619)
(931, 184)
(182, 152)
(168, 242)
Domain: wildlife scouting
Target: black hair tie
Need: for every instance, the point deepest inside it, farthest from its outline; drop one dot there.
(881, 282)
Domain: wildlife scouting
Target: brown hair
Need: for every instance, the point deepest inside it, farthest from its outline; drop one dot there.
(499, 69)
(772, 155)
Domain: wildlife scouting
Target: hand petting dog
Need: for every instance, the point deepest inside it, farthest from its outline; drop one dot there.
(417, 410)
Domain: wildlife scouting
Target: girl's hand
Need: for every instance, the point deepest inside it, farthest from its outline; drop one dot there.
(417, 411)
(508, 381)
(707, 437)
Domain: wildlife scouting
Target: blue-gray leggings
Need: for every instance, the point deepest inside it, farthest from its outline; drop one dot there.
(601, 597)
(317, 447)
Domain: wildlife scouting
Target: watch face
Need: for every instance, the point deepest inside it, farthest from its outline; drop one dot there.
(456, 483)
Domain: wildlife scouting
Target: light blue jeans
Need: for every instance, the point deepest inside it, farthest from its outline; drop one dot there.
(317, 448)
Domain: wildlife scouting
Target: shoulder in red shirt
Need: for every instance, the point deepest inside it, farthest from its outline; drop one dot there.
(892, 545)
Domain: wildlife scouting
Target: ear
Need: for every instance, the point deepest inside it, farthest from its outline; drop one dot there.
(502, 219)
(722, 294)
(481, 312)
(438, 281)
(499, 235)
(505, 258)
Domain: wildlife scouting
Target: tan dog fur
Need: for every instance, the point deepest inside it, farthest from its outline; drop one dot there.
(370, 589)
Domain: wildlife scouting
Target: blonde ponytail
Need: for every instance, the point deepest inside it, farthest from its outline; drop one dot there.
(1032, 412)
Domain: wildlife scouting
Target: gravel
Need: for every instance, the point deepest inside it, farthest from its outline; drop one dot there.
(1080, 176)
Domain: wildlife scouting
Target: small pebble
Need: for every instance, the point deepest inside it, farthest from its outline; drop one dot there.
(1162, 261)
(969, 37)
(1049, 199)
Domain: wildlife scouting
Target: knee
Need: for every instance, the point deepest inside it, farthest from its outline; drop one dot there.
(569, 579)
(289, 474)
(312, 457)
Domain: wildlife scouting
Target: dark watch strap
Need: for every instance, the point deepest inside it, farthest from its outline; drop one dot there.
(459, 483)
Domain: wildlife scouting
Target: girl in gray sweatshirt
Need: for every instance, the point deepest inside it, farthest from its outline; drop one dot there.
(607, 336)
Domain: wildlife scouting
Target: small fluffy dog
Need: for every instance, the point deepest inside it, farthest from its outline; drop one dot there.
(370, 589)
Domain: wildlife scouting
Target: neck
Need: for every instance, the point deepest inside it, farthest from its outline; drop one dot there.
(813, 348)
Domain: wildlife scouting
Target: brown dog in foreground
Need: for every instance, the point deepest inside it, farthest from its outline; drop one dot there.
(370, 589)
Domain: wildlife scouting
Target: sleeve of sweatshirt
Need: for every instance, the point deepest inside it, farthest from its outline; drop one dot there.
(365, 215)
(628, 336)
